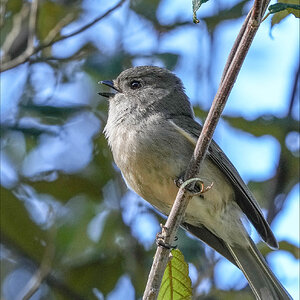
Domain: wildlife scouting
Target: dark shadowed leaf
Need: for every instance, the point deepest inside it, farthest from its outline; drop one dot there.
(282, 9)
(266, 125)
(19, 228)
(146, 8)
(234, 12)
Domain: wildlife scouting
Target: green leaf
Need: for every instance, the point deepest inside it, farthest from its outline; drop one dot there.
(265, 125)
(216, 294)
(146, 8)
(284, 246)
(18, 229)
(196, 5)
(293, 249)
(176, 283)
(50, 14)
(169, 59)
(284, 6)
(282, 9)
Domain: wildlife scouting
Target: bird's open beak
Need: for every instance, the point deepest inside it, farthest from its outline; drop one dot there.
(111, 85)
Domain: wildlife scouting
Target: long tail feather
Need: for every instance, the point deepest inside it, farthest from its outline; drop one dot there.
(262, 281)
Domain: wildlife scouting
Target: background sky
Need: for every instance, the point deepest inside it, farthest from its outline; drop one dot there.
(262, 88)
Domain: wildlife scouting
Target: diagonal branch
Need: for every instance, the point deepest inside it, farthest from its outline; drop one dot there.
(25, 56)
(175, 218)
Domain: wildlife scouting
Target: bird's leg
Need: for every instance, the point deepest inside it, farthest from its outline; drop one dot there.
(160, 240)
(196, 186)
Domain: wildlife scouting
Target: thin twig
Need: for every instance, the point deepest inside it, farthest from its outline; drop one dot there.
(294, 91)
(45, 267)
(25, 56)
(57, 28)
(56, 283)
(182, 198)
(14, 33)
(32, 23)
(2, 12)
(235, 45)
(86, 26)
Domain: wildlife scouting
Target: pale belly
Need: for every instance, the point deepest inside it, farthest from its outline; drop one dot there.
(215, 209)
(150, 167)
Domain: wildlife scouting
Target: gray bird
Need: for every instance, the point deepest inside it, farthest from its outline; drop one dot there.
(152, 133)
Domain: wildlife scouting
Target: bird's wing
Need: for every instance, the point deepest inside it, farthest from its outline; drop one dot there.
(190, 129)
(206, 236)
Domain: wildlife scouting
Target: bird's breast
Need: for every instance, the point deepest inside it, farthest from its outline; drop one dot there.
(151, 162)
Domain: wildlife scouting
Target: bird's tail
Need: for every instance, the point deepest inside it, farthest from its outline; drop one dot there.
(262, 281)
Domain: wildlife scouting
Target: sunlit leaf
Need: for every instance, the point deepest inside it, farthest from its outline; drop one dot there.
(283, 246)
(176, 283)
(50, 14)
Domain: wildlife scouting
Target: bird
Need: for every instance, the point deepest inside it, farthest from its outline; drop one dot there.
(152, 132)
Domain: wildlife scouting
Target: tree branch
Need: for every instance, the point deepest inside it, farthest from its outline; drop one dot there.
(32, 23)
(65, 291)
(2, 12)
(175, 218)
(25, 56)
(45, 267)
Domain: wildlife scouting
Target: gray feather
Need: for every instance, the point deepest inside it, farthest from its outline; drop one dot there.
(244, 197)
(261, 279)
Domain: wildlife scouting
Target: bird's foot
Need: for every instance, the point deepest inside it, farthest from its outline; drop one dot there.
(193, 185)
(160, 240)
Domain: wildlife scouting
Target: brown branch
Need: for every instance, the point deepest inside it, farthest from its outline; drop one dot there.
(25, 56)
(2, 12)
(53, 33)
(257, 11)
(57, 283)
(235, 45)
(176, 215)
(15, 35)
(294, 91)
(45, 268)
(32, 23)
(278, 196)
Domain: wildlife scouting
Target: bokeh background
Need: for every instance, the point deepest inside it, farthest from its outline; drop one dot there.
(70, 228)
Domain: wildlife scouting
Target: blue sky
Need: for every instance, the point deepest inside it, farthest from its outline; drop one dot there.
(262, 87)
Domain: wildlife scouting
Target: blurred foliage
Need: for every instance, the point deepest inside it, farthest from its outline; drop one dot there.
(60, 187)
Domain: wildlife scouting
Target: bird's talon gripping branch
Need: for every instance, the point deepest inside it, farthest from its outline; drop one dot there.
(197, 189)
(179, 181)
(160, 242)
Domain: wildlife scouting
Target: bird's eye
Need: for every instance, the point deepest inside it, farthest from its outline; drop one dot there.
(135, 84)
